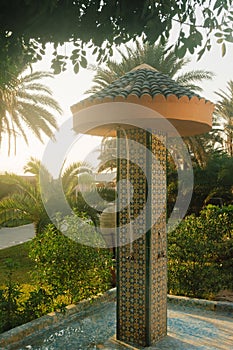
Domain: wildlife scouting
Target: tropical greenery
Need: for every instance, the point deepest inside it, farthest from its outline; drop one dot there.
(69, 268)
(62, 272)
(108, 154)
(5, 189)
(26, 204)
(25, 30)
(213, 180)
(200, 264)
(23, 205)
(26, 103)
(224, 110)
(155, 55)
(62, 269)
(200, 254)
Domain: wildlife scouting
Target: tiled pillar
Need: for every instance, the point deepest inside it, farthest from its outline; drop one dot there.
(142, 265)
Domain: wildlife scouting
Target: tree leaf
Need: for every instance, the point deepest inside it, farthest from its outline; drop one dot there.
(228, 30)
(229, 38)
(83, 62)
(76, 67)
(217, 4)
(95, 50)
(223, 49)
(76, 52)
(56, 66)
(181, 51)
(218, 35)
(200, 54)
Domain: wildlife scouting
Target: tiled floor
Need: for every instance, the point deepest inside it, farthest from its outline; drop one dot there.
(189, 328)
(192, 329)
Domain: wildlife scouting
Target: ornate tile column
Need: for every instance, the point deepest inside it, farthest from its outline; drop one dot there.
(146, 99)
(142, 264)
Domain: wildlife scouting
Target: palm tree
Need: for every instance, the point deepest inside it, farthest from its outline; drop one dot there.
(154, 55)
(214, 180)
(71, 174)
(23, 205)
(26, 203)
(157, 57)
(107, 155)
(37, 169)
(202, 147)
(224, 109)
(27, 103)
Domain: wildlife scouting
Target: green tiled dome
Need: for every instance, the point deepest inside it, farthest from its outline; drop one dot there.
(142, 81)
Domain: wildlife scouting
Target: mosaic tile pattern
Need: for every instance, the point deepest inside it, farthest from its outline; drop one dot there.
(159, 240)
(141, 306)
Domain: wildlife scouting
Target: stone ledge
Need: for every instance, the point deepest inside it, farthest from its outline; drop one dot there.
(84, 307)
(212, 305)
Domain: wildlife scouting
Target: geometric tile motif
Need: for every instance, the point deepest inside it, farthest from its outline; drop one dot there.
(159, 241)
(141, 266)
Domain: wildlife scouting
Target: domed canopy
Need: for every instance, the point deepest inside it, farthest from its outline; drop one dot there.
(144, 95)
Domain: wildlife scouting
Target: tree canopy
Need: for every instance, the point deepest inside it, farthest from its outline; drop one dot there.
(27, 25)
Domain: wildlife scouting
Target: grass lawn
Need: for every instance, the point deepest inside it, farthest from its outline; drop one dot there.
(23, 265)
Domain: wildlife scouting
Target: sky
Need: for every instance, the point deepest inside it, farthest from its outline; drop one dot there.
(69, 88)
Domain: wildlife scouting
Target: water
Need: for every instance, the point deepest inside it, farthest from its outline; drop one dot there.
(188, 329)
(80, 334)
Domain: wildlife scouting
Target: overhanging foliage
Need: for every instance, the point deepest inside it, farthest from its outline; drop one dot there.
(27, 25)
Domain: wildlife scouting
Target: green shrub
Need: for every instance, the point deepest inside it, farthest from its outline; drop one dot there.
(9, 301)
(17, 306)
(69, 268)
(200, 254)
(65, 272)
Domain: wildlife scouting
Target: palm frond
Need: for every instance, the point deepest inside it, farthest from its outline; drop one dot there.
(36, 168)
(224, 110)
(25, 100)
(21, 184)
(70, 175)
(155, 55)
(19, 206)
(194, 76)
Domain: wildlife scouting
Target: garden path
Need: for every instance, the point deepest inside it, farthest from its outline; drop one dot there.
(10, 236)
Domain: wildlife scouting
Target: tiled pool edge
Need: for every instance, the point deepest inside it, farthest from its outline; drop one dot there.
(84, 307)
(18, 333)
(218, 306)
